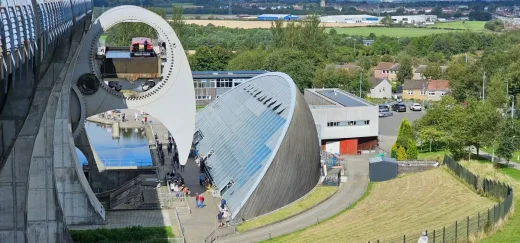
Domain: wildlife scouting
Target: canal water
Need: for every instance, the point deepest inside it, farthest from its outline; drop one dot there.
(131, 149)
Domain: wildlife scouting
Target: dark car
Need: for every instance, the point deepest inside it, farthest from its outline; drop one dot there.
(399, 107)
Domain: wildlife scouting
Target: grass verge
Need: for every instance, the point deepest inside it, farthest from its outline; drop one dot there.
(127, 235)
(436, 155)
(403, 206)
(315, 197)
(362, 198)
(509, 231)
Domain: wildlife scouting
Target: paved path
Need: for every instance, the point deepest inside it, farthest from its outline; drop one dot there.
(349, 192)
(202, 221)
(501, 161)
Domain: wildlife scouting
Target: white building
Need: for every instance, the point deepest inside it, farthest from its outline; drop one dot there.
(350, 19)
(381, 89)
(414, 19)
(346, 124)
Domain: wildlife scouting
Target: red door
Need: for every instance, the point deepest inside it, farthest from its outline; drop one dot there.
(348, 146)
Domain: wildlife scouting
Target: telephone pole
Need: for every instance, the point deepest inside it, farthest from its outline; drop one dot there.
(229, 8)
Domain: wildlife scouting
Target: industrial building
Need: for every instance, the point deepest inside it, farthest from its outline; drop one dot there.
(274, 17)
(209, 85)
(350, 19)
(346, 124)
(259, 145)
(414, 19)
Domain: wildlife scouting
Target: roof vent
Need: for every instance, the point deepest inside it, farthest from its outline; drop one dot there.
(276, 107)
(270, 98)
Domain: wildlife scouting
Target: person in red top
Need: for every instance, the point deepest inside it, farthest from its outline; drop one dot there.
(197, 198)
(201, 201)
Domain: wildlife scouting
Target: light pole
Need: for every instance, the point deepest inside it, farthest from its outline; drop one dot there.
(512, 106)
(484, 87)
(360, 82)
(507, 88)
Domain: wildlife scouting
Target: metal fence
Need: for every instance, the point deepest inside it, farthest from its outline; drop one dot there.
(466, 229)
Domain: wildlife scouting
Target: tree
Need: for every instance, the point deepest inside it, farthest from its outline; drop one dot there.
(495, 25)
(177, 23)
(387, 20)
(393, 151)
(206, 59)
(404, 134)
(411, 150)
(248, 60)
(506, 146)
(401, 154)
(433, 71)
(405, 70)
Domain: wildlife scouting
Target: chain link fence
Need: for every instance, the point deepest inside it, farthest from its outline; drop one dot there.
(467, 229)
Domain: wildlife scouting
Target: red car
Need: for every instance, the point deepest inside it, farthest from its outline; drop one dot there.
(141, 46)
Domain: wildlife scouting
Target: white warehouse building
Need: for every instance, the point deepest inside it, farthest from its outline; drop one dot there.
(413, 19)
(350, 19)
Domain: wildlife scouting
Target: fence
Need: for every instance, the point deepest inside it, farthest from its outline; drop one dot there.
(465, 229)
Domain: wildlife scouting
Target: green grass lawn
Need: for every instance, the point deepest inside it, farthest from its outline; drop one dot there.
(128, 235)
(315, 197)
(436, 155)
(468, 25)
(392, 32)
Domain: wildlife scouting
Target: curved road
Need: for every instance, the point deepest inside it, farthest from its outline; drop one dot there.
(349, 192)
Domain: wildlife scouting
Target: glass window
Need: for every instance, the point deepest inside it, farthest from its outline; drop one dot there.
(443, 93)
(431, 93)
(423, 92)
(410, 92)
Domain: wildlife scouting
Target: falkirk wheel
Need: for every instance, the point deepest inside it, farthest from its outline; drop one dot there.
(42, 184)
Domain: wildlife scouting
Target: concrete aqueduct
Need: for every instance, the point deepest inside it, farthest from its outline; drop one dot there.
(50, 84)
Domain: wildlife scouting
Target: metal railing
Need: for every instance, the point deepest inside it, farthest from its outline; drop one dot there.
(466, 229)
(123, 162)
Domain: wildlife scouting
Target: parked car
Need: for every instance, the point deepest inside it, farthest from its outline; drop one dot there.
(399, 107)
(384, 111)
(415, 107)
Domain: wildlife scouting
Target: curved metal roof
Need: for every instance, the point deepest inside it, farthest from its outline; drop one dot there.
(244, 129)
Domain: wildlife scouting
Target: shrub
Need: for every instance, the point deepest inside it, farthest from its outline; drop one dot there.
(411, 151)
(401, 154)
(404, 134)
(393, 152)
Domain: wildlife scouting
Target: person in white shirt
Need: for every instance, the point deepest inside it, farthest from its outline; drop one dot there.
(135, 116)
(423, 238)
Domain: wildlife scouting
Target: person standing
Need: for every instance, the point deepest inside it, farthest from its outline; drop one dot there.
(423, 238)
(197, 198)
(219, 218)
(135, 116)
(182, 166)
(201, 201)
(222, 203)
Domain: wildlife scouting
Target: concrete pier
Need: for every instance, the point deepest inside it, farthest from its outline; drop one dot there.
(115, 130)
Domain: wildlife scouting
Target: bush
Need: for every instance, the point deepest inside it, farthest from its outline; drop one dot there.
(404, 134)
(411, 151)
(401, 154)
(131, 234)
(393, 152)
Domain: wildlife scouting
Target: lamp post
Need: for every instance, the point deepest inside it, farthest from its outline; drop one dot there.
(360, 82)
(512, 106)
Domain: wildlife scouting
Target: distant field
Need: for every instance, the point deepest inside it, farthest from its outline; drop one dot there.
(253, 24)
(393, 32)
(406, 205)
(468, 25)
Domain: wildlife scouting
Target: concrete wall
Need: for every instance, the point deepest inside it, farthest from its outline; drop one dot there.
(295, 169)
(338, 114)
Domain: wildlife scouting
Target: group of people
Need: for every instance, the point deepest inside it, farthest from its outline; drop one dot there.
(176, 183)
(159, 146)
(224, 215)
